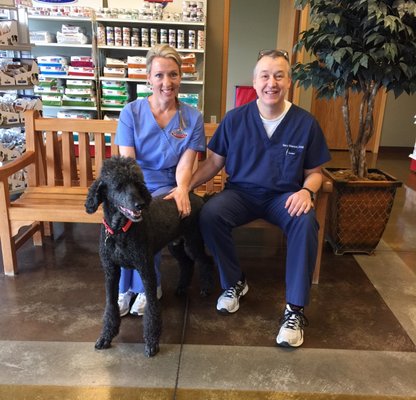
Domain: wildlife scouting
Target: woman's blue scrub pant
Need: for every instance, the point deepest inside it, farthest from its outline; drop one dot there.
(130, 278)
(234, 207)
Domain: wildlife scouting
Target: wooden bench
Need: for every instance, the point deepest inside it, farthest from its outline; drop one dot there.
(61, 164)
(57, 178)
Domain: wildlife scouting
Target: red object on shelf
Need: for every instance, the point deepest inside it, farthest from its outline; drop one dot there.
(244, 94)
(412, 165)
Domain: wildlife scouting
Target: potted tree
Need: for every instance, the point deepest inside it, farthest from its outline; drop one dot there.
(358, 47)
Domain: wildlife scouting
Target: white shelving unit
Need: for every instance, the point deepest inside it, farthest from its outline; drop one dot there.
(100, 52)
(14, 49)
(54, 24)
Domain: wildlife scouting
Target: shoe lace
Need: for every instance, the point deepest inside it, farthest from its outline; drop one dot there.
(294, 320)
(234, 291)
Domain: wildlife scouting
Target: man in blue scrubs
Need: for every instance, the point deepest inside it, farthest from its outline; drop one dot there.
(272, 151)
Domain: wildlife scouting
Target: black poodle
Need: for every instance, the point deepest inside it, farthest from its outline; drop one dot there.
(135, 227)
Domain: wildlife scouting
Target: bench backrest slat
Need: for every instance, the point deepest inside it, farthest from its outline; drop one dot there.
(71, 151)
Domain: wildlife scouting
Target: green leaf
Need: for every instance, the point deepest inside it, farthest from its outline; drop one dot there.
(364, 60)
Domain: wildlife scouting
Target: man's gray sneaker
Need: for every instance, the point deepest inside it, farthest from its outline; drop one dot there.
(229, 301)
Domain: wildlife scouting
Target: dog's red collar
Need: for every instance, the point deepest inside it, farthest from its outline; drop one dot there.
(110, 231)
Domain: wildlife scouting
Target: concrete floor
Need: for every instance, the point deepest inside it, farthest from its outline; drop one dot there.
(361, 342)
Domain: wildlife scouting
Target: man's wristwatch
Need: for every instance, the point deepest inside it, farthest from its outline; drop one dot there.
(310, 192)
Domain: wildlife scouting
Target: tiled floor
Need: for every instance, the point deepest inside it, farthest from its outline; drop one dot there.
(361, 342)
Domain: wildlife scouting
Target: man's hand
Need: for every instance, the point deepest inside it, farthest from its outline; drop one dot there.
(299, 203)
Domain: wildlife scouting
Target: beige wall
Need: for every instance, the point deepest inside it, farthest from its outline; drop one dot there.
(399, 129)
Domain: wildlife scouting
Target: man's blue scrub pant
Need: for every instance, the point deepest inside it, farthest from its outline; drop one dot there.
(234, 207)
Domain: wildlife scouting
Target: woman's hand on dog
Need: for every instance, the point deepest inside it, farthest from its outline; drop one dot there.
(181, 197)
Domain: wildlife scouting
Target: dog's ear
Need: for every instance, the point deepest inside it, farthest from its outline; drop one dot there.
(94, 197)
(144, 192)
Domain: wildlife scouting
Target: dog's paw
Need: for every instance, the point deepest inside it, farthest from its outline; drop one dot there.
(102, 343)
(151, 350)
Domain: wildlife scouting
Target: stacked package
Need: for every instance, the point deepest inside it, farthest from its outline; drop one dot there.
(114, 94)
(189, 71)
(143, 91)
(49, 91)
(12, 146)
(75, 114)
(58, 9)
(42, 37)
(53, 65)
(13, 106)
(71, 34)
(79, 93)
(189, 98)
(136, 67)
(81, 66)
(8, 33)
(114, 68)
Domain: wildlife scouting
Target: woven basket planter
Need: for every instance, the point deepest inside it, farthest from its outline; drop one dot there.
(358, 212)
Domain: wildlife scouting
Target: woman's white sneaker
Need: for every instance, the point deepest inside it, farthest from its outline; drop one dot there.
(124, 300)
(140, 303)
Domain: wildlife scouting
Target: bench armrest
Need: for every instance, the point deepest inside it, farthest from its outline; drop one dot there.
(327, 186)
(16, 165)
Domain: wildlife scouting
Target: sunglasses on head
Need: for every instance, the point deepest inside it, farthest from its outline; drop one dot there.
(273, 53)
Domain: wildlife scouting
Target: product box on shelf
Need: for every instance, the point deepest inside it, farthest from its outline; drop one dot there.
(53, 70)
(136, 62)
(75, 114)
(114, 72)
(113, 84)
(28, 74)
(52, 61)
(111, 93)
(116, 104)
(42, 37)
(115, 63)
(8, 3)
(143, 90)
(81, 71)
(78, 101)
(47, 81)
(8, 33)
(80, 84)
(25, 72)
(9, 118)
(189, 98)
(55, 101)
(18, 180)
(82, 61)
(137, 73)
(49, 90)
(23, 104)
(71, 38)
(6, 79)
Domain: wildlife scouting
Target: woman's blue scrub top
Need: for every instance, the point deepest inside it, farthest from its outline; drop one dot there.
(158, 150)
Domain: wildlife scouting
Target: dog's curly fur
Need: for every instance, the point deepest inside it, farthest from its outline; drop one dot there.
(156, 223)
